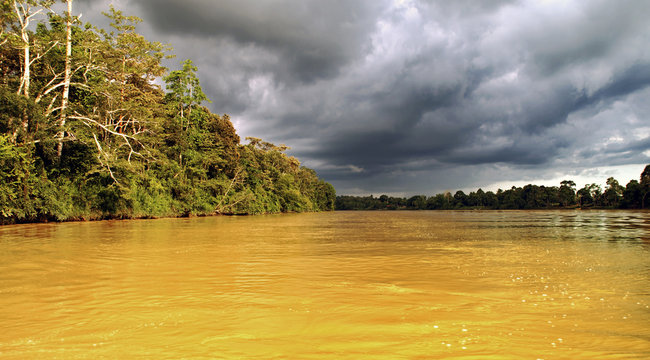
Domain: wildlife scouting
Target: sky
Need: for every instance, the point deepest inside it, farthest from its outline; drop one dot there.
(406, 97)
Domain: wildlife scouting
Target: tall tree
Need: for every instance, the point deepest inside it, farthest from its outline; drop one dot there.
(66, 78)
(185, 91)
(123, 102)
(25, 11)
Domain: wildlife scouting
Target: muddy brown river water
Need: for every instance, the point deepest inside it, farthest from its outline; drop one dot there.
(339, 285)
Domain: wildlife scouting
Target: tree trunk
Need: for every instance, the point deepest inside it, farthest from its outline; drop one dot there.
(26, 64)
(66, 79)
(24, 83)
(24, 16)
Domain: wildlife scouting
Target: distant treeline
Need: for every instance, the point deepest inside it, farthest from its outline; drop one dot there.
(633, 196)
(86, 132)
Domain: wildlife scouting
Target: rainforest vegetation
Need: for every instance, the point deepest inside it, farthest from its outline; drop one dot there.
(86, 132)
(633, 196)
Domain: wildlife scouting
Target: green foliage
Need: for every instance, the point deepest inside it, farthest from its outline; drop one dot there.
(16, 168)
(122, 148)
(632, 195)
(185, 93)
(13, 109)
(527, 197)
(645, 186)
(280, 181)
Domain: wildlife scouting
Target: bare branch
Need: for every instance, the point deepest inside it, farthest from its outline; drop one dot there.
(101, 152)
(88, 121)
(40, 96)
(234, 178)
(54, 87)
(38, 56)
(49, 107)
(104, 127)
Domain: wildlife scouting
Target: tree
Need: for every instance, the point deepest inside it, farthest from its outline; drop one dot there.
(418, 202)
(13, 107)
(448, 197)
(532, 196)
(632, 195)
(435, 202)
(461, 199)
(613, 193)
(85, 132)
(6, 18)
(645, 185)
(596, 194)
(185, 91)
(511, 199)
(16, 168)
(567, 192)
(491, 200)
(480, 197)
(66, 78)
(589, 195)
(25, 11)
(121, 104)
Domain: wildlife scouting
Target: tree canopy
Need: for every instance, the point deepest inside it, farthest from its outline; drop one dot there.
(86, 132)
(615, 196)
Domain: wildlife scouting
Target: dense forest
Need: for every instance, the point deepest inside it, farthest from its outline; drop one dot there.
(633, 196)
(86, 132)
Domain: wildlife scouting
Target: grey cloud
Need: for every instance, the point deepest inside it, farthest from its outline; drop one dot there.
(422, 96)
(632, 79)
(631, 147)
(314, 38)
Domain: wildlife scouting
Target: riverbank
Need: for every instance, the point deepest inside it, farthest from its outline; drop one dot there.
(4, 222)
(530, 197)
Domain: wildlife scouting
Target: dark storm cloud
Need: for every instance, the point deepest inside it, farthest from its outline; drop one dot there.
(410, 96)
(315, 38)
(632, 79)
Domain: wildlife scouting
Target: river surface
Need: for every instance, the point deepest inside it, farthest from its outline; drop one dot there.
(338, 285)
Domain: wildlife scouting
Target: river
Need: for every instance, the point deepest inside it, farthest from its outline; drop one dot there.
(337, 285)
